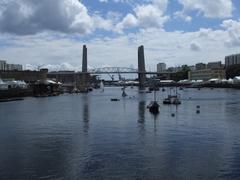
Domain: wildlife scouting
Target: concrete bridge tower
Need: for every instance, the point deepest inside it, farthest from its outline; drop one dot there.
(84, 59)
(85, 74)
(141, 68)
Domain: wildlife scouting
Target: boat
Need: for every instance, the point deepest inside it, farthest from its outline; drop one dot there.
(124, 94)
(172, 99)
(115, 99)
(154, 106)
(102, 86)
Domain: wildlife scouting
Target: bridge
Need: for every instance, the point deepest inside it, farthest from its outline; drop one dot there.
(141, 71)
(120, 70)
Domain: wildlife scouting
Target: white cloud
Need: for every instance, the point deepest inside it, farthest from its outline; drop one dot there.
(147, 15)
(180, 14)
(150, 15)
(174, 48)
(209, 8)
(23, 17)
(128, 21)
(103, 1)
(194, 46)
(233, 30)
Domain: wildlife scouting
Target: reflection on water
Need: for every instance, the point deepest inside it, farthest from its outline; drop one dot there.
(141, 111)
(87, 136)
(85, 100)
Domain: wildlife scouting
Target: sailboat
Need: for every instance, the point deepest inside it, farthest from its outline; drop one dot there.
(172, 99)
(102, 86)
(124, 94)
(154, 106)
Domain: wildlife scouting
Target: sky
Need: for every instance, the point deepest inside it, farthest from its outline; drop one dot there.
(51, 33)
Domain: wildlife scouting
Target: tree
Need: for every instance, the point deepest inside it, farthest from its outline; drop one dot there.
(233, 71)
(180, 75)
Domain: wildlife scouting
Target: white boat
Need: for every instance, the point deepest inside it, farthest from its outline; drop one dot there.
(102, 86)
(172, 99)
(3, 85)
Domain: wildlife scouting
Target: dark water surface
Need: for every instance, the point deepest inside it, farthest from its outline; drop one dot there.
(87, 136)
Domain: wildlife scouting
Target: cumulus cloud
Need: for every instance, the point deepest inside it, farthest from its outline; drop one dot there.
(232, 28)
(24, 17)
(65, 66)
(180, 14)
(103, 1)
(195, 46)
(128, 21)
(174, 48)
(146, 15)
(209, 8)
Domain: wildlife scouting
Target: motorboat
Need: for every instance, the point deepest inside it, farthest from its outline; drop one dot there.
(172, 99)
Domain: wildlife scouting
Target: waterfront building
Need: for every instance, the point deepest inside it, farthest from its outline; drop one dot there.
(207, 74)
(192, 68)
(161, 67)
(2, 65)
(27, 76)
(200, 66)
(12, 67)
(71, 79)
(214, 65)
(174, 69)
(232, 60)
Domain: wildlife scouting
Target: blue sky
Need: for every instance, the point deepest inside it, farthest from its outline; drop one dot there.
(51, 33)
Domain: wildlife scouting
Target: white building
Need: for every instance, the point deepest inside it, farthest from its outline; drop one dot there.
(232, 60)
(161, 67)
(2, 65)
(11, 67)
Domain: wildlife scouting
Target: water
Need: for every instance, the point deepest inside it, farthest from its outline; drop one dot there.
(87, 136)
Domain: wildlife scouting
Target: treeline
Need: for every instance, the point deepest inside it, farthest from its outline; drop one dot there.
(233, 71)
(180, 75)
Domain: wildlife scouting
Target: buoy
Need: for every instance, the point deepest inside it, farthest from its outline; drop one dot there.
(115, 99)
(198, 106)
(173, 114)
(198, 111)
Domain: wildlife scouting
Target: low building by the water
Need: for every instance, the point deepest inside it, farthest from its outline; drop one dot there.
(232, 60)
(46, 88)
(4, 66)
(27, 76)
(207, 74)
(71, 79)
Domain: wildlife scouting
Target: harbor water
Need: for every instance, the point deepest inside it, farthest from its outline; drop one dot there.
(87, 136)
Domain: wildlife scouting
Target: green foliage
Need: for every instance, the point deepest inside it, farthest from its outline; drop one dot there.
(233, 71)
(180, 75)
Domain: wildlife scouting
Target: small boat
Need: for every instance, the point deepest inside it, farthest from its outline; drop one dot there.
(124, 94)
(115, 99)
(153, 106)
(172, 99)
(102, 86)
